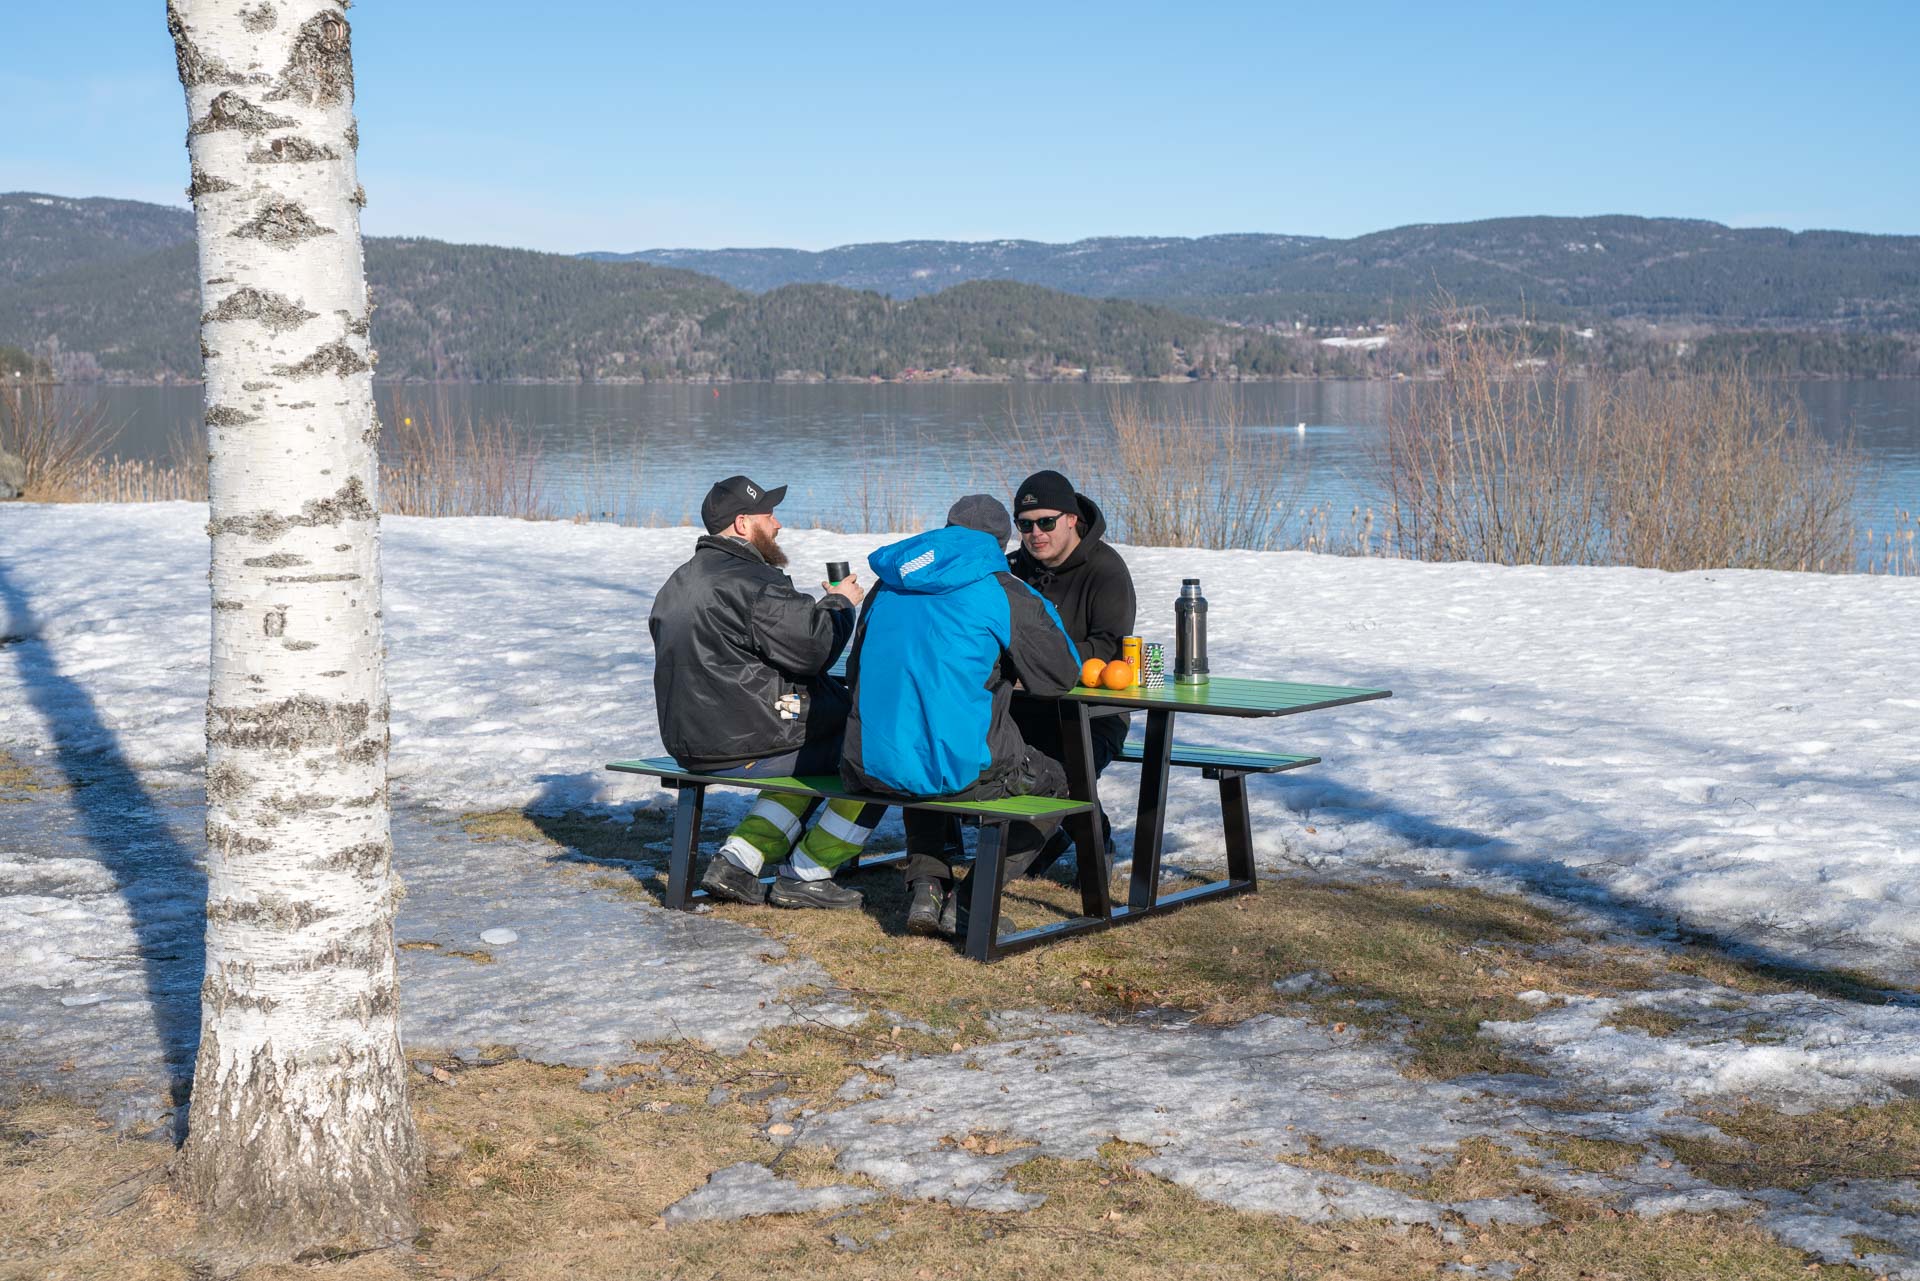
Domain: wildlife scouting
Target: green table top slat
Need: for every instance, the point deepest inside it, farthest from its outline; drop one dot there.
(830, 786)
(1231, 696)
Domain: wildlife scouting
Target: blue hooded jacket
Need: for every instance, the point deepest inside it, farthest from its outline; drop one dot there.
(943, 635)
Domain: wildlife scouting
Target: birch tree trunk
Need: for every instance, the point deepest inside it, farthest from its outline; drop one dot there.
(300, 1132)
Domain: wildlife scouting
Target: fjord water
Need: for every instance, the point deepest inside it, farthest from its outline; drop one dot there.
(855, 454)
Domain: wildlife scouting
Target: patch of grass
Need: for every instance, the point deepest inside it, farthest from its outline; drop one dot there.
(1863, 1244)
(1655, 1022)
(532, 1178)
(591, 837)
(1600, 1156)
(1783, 1151)
(15, 779)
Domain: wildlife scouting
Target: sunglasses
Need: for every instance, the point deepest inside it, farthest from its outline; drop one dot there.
(1045, 523)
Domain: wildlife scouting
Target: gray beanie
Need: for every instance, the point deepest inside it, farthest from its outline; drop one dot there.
(985, 513)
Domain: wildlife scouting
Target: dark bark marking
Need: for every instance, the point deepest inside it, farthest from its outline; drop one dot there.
(280, 222)
(257, 386)
(343, 547)
(274, 622)
(227, 783)
(276, 311)
(304, 404)
(364, 860)
(205, 184)
(313, 578)
(355, 325)
(290, 151)
(260, 18)
(206, 352)
(349, 502)
(279, 560)
(359, 196)
(336, 673)
(298, 646)
(227, 841)
(226, 606)
(320, 68)
(294, 724)
(353, 135)
(272, 911)
(220, 996)
(228, 416)
(195, 67)
(230, 111)
(334, 358)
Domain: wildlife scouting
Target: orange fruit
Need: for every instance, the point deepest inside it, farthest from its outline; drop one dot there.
(1118, 675)
(1090, 672)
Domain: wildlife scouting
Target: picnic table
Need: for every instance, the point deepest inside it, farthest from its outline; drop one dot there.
(1157, 754)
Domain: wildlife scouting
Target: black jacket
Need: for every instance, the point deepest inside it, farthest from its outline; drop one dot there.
(731, 635)
(1093, 592)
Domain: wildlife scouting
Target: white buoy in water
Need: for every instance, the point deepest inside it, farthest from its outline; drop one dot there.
(1301, 428)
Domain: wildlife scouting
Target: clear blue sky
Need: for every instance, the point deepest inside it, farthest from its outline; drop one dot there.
(614, 125)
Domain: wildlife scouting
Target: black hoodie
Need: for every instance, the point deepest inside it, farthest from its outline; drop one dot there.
(1092, 591)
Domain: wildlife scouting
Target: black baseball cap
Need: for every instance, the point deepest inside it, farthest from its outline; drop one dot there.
(737, 496)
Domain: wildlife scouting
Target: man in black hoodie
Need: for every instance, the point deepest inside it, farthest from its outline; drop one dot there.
(1063, 556)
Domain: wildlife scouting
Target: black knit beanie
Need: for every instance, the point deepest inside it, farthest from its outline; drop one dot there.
(1047, 490)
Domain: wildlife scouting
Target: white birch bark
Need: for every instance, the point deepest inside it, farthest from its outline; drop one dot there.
(300, 1132)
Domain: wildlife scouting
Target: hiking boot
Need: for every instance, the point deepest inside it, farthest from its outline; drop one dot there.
(1041, 859)
(924, 912)
(789, 891)
(952, 917)
(726, 879)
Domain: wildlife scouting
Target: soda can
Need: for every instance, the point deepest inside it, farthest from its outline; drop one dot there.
(1130, 651)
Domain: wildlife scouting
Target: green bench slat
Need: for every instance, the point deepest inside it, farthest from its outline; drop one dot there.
(830, 787)
(1232, 758)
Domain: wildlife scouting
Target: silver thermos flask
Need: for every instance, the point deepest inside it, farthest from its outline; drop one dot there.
(1190, 635)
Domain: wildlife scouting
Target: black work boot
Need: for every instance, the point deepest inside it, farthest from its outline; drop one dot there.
(789, 891)
(923, 912)
(726, 879)
(953, 913)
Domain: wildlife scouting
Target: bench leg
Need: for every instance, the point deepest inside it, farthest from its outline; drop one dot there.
(1239, 824)
(686, 836)
(983, 888)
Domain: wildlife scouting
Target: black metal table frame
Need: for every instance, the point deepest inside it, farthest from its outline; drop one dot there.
(1098, 912)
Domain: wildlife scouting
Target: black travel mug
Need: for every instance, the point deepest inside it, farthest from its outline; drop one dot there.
(836, 571)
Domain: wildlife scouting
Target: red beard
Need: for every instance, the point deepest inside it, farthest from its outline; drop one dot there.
(763, 542)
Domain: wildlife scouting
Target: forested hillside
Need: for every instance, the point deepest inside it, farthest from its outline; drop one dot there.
(1607, 268)
(106, 289)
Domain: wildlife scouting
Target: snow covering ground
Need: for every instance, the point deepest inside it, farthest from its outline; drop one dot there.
(1728, 751)
(1732, 749)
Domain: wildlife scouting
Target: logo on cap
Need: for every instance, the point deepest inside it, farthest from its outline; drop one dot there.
(1028, 498)
(752, 492)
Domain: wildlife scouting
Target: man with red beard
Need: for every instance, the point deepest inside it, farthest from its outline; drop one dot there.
(740, 687)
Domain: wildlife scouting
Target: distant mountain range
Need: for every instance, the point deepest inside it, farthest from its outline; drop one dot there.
(107, 287)
(1603, 268)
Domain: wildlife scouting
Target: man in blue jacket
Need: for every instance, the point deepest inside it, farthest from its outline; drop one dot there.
(945, 633)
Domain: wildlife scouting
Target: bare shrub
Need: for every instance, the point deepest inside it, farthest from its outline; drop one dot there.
(1199, 476)
(876, 494)
(434, 464)
(1489, 461)
(1713, 470)
(1504, 457)
(57, 434)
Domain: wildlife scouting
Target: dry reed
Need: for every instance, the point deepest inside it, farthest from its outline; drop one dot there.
(434, 463)
(59, 436)
(1504, 458)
